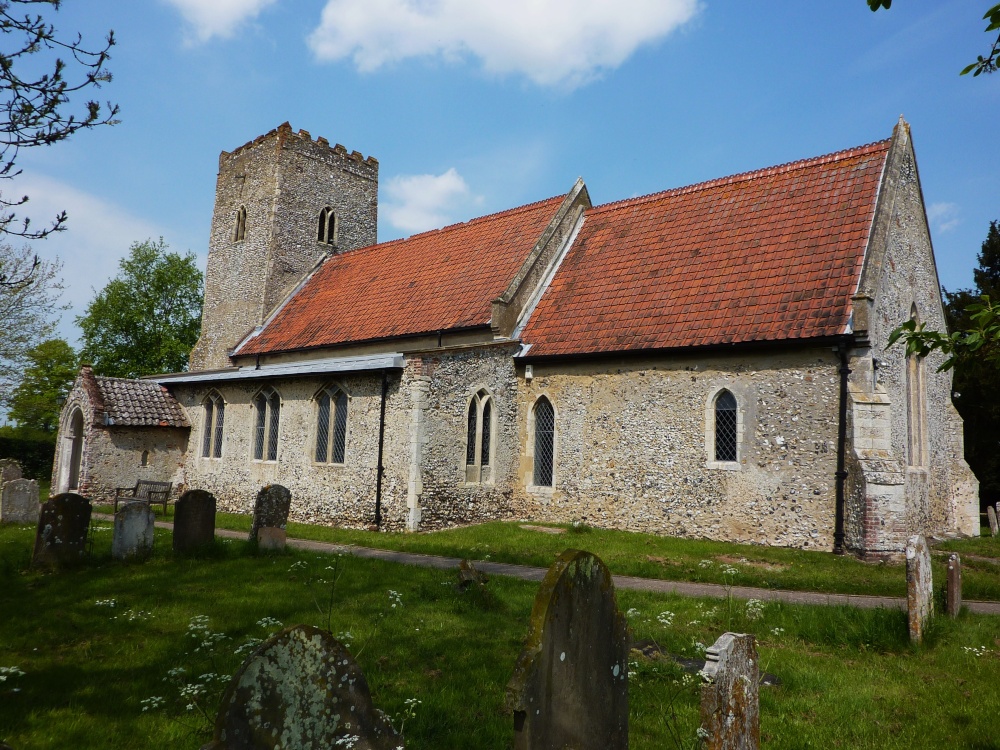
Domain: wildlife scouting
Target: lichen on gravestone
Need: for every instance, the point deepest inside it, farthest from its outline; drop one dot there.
(301, 690)
(270, 509)
(953, 596)
(133, 531)
(730, 700)
(570, 683)
(919, 586)
(61, 533)
(194, 521)
(991, 516)
(19, 501)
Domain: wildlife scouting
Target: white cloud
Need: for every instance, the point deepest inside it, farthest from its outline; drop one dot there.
(943, 216)
(98, 234)
(420, 202)
(552, 42)
(208, 18)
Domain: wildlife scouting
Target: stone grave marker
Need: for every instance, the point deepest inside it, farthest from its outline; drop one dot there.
(919, 586)
(570, 684)
(301, 689)
(991, 514)
(271, 538)
(19, 501)
(133, 534)
(270, 509)
(61, 536)
(10, 470)
(194, 520)
(954, 595)
(730, 701)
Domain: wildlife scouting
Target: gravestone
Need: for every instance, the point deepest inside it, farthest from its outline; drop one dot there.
(991, 514)
(954, 595)
(133, 534)
(10, 470)
(570, 684)
(919, 586)
(271, 538)
(301, 689)
(194, 520)
(270, 509)
(19, 501)
(730, 701)
(61, 536)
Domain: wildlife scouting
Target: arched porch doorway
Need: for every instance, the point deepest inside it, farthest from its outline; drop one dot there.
(71, 454)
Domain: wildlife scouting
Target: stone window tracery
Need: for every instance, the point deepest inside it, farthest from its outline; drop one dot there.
(479, 438)
(267, 408)
(331, 426)
(215, 415)
(327, 230)
(545, 442)
(240, 230)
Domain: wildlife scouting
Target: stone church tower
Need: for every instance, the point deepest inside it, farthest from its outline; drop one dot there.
(283, 202)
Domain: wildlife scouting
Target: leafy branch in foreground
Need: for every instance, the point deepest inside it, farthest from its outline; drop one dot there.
(980, 342)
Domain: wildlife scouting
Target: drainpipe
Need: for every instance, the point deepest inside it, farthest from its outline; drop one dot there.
(381, 443)
(838, 533)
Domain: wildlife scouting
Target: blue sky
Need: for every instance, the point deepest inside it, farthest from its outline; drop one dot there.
(473, 107)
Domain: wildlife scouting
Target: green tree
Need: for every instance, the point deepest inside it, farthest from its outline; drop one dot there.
(972, 348)
(52, 367)
(147, 318)
(987, 63)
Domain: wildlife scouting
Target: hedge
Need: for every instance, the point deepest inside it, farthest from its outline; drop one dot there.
(35, 456)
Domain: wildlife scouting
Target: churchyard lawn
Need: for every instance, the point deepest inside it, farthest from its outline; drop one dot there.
(84, 651)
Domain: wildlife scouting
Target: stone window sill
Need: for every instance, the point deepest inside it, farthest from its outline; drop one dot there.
(539, 489)
(724, 465)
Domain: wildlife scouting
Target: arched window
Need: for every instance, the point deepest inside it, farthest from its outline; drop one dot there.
(75, 450)
(331, 426)
(545, 442)
(479, 438)
(144, 459)
(725, 427)
(215, 416)
(916, 412)
(327, 233)
(240, 230)
(267, 408)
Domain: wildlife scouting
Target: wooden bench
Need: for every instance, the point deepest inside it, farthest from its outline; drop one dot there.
(145, 491)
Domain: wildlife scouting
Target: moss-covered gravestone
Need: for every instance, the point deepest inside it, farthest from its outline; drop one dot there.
(133, 534)
(919, 586)
(991, 516)
(301, 690)
(570, 684)
(10, 470)
(194, 520)
(19, 501)
(61, 535)
(730, 700)
(271, 509)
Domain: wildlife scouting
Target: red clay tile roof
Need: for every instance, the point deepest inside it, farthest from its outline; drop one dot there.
(439, 280)
(766, 255)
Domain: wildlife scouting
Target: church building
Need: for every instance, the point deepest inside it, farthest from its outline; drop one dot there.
(710, 361)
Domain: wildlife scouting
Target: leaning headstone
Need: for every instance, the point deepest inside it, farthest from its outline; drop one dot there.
(61, 535)
(991, 514)
(19, 501)
(194, 520)
(301, 689)
(730, 701)
(10, 470)
(270, 509)
(133, 534)
(954, 595)
(919, 586)
(271, 538)
(570, 684)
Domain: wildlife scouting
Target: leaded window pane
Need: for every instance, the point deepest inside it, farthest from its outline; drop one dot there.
(206, 439)
(725, 427)
(260, 403)
(340, 429)
(484, 453)
(220, 416)
(272, 437)
(470, 446)
(544, 442)
(323, 428)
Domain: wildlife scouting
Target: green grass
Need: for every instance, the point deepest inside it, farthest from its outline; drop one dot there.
(650, 556)
(849, 677)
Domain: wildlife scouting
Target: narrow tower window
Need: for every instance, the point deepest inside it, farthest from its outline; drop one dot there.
(240, 230)
(327, 232)
(725, 427)
(545, 434)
